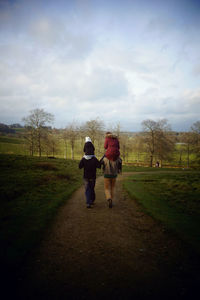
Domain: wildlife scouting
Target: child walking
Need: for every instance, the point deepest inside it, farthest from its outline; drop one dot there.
(89, 163)
(111, 145)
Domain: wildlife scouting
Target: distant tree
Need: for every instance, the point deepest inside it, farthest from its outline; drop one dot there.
(6, 129)
(29, 136)
(165, 146)
(16, 125)
(93, 129)
(149, 128)
(70, 133)
(180, 154)
(51, 142)
(125, 146)
(138, 145)
(82, 134)
(35, 125)
(188, 140)
(195, 128)
(116, 129)
(64, 137)
(156, 137)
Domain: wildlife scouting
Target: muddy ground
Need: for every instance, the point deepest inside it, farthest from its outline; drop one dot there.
(102, 253)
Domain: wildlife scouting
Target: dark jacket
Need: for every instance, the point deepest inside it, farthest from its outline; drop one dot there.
(89, 148)
(89, 166)
(111, 145)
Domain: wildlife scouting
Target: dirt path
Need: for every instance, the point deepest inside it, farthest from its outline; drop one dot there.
(103, 253)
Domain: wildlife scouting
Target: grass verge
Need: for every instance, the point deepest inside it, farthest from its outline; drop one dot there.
(31, 191)
(129, 168)
(172, 198)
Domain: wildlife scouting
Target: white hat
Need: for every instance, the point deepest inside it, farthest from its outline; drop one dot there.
(88, 139)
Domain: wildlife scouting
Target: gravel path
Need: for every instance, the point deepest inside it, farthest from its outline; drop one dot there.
(102, 253)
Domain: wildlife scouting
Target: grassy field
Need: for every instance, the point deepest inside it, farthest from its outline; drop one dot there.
(173, 198)
(13, 145)
(31, 191)
(133, 168)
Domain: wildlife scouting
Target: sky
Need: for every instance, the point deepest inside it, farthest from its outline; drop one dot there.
(121, 62)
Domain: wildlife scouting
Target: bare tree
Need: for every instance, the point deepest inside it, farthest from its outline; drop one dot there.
(164, 146)
(71, 133)
(51, 143)
(30, 139)
(155, 136)
(196, 128)
(196, 138)
(138, 145)
(93, 128)
(125, 146)
(82, 135)
(99, 145)
(150, 127)
(188, 140)
(35, 125)
(116, 129)
(64, 137)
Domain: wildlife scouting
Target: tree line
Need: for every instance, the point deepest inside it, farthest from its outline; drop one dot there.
(155, 142)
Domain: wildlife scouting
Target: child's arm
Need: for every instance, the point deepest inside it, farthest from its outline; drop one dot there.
(101, 160)
(81, 164)
(98, 164)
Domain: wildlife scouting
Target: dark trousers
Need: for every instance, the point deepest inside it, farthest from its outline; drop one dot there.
(89, 190)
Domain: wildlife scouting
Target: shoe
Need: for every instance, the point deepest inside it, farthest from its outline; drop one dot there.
(110, 203)
(89, 206)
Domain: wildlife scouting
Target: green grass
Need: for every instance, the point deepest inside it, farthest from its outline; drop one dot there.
(132, 168)
(31, 191)
(13, 145)
(172, 198)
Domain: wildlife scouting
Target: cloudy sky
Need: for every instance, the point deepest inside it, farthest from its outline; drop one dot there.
(120, 61)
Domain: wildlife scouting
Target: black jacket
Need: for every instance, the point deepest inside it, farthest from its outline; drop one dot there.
(89, 166)
(88, 148)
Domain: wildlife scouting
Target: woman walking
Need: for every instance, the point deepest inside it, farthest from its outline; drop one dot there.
(111, 169)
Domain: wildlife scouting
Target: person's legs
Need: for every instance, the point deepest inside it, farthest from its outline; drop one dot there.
(113, 181)
(92, 188)
(87, 192)
(107, 188)
(108, 183)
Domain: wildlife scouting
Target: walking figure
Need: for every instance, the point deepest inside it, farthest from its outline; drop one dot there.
(111, 169)
(89, 163)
